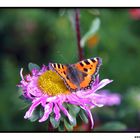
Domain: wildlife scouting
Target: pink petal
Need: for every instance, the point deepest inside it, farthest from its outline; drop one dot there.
(96, 80)
(32, 108)
(57, 112)
(101, 84)
(89, 114)
(35, 72)
(65, 112)
(47, 111)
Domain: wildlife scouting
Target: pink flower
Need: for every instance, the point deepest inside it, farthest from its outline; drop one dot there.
(135, 13)
(46, 89)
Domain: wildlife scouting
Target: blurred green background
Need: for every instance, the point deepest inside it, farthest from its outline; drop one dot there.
(48, 35)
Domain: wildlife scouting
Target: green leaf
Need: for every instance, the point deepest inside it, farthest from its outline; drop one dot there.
(33, 66)
(92, 31)
(73, 109)
(34, 116)
(68, 126)
(41, 112)
(20, 91)
(54, 123)
(61, 127)
(83, 116)
(112, 126)
(26, 100)
(74, 122)
(37, 113)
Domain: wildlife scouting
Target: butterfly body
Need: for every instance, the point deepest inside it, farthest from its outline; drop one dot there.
(74, 75)
(78, 76)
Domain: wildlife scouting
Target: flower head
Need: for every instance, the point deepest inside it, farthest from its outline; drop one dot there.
(45, 88)
(135, 13)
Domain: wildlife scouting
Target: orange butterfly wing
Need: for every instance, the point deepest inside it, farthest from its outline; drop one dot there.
(62, 71)
(90, 67)
(87, 70)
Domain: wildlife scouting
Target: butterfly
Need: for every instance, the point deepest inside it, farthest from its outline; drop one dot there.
(78, 76)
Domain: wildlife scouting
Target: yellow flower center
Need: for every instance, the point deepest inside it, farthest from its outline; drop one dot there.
(50, 83)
